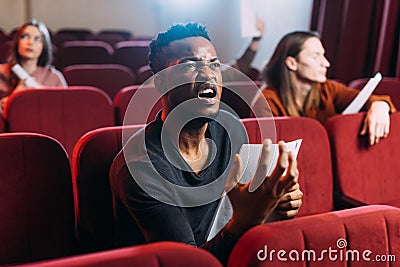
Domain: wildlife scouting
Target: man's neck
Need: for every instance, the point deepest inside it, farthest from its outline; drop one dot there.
(193, 145)
(301, 91)
(191, 138)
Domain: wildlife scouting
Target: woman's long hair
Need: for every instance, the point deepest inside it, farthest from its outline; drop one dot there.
(45, 58)
(277, 74)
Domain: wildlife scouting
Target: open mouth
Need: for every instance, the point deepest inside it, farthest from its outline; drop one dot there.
(207, 91)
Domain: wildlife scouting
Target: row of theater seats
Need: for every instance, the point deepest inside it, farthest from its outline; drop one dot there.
(387, 86)
(133, 53)
(48, 211)
(366, 236)
(110, 78)
(113, 77)
(67, 113)
(62, 35)
(84, 47)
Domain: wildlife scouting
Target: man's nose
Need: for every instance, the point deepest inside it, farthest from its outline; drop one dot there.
(205, 72)
(326, 62)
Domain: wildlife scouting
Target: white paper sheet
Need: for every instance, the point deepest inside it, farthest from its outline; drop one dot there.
(24, 76)
(249, 154)
(248, 19)
(362, 97)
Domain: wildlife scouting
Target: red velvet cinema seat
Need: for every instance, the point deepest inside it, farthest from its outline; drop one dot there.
(91, 161)
(387, 86)
(36, 200)
(141, 101)
(108, 37)
(108, 77)
(364, 174)
(314, 157)
(79, 33)
(133, 54)
(162, 254)
(63, 113)
(363, 236)
(143, 73)
(84, 52)
(239, 96)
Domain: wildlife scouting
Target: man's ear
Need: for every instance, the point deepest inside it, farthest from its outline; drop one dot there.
(160, 84)
(291, 63)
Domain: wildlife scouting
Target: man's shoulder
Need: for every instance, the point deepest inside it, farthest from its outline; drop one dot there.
(228, 121)
(269, 92)
(332, 87)
(132, 150)
(228, 117)
(232, 126)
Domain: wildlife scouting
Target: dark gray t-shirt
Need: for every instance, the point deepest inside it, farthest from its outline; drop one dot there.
(148, 194)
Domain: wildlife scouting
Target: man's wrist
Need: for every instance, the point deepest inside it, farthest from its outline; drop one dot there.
(382, 102)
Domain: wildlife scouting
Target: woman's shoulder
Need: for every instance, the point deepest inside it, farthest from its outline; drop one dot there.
(48, 70)
(50, 76)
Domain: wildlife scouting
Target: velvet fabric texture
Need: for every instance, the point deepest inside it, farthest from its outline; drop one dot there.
(374, 228)
(108, 77)
(165, 254)
(36, 201)
(137, 107)
(367, 174)
(387, 86)
(93, 154)
(63, 113)
(314, 158)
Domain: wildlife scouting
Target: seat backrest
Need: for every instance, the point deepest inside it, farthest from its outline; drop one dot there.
(367, 174)
(137, 100)
(133, 54)
(58, 39)
(314, 157)
(5, 47)
(36, 200)
(109, 77)
(79, 33)
(109, 38)
(166, 254)
(91, 162)
(387, 86)
(63, 113)
(354, 237)
(84, 52)
(239, 96)
(125, 34)
(143, 73)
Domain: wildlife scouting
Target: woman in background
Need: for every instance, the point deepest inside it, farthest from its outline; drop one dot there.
(32, 50)
(295, 84)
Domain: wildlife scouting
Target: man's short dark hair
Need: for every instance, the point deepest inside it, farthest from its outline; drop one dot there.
(157, 56)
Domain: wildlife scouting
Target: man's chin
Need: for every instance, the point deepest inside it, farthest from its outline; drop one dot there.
(322, 79)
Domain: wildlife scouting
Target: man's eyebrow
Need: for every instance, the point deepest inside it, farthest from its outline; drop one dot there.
(186, 59)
